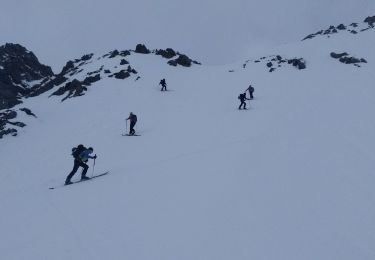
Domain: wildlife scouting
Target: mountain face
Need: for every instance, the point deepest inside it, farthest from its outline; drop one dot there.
(22, 76)
(291, 177)
(19, 71)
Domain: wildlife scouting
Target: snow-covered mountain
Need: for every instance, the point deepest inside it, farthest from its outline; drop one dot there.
(22, 76)
(290, 178)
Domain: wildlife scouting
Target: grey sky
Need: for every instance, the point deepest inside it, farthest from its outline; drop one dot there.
(211, 31)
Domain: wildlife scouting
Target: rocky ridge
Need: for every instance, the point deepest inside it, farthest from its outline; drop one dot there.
(22, 76)
(353, 28)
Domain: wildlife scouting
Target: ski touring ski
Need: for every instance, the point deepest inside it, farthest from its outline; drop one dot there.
(130, 135)
(75, 182)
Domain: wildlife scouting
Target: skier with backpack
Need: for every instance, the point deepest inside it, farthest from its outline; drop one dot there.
(242, 97)
(81, 155)
(163, 85)
(133, 120)
(251, 91)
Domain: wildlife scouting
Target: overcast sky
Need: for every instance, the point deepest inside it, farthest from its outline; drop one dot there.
(211, 31)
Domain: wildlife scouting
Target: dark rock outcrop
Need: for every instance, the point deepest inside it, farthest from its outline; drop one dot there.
(28, 111)
(18, 68)
(124, 62)
(74, 88)
(338, 55)
(274, 62)
(341, 27)
(123, 74)
(113, 54)
(4, 122)
(89, 80)
(370, 20)
(298, 63)
(168, 53)
(125, 53)
(346, 59)
(182, 60)
(141, 48)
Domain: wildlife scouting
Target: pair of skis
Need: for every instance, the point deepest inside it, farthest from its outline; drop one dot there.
(75, 182)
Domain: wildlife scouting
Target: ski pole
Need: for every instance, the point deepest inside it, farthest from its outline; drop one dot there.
(126, 126)
(93, 167)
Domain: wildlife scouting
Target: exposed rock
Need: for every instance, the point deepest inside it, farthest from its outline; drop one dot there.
(141, 48)
(113, 54)
(107, 71)
(131, 70)
(8, 115)
(167, 53)
(269, 64)
(96, 71)
(125, 53)
(19, 124)
(172, 63)
(122, 74)
(87, 57)
(123, 62)
(345, 58)
(88, 80)
(28, 111)
(349, 60)
(19, 67)
(182, 60)
(9, 95)
(298, 63)
(41, 88)
(341, 27)
(370, 20)
(74, 89)
(10, 131)
(338, 55)
(68, 66)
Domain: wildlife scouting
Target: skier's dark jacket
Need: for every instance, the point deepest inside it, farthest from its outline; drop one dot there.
(242, 97)
(132, 118)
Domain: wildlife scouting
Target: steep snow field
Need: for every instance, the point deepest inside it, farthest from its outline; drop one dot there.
(292, 178)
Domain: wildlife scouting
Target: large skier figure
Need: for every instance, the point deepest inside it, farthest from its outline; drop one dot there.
(251, 91)
(163, 85)
(81, 155)
(133, 121)
(242, 98)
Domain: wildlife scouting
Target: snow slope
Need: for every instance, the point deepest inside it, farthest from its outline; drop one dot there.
(291, 178)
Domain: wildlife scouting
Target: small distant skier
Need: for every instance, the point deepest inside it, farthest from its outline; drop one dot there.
(133, 120)
(163, 85)
(81, 155)
(251, 91)
(242, 97)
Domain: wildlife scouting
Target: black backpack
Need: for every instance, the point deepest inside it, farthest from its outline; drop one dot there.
(76, 151)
